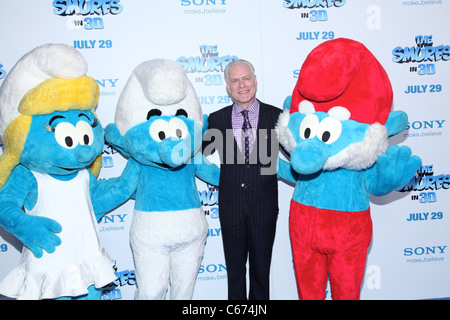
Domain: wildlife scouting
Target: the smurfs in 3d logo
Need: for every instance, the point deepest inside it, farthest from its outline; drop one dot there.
(86, 8)
(424, 52)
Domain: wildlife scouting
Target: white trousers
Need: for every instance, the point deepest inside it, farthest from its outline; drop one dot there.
(167, 250)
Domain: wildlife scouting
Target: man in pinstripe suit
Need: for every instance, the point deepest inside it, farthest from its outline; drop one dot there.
(248, 189)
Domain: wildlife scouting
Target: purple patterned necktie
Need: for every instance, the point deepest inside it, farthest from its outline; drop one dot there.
(246, 133)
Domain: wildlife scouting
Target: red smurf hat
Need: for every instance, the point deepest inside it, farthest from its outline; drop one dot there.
(344, 73)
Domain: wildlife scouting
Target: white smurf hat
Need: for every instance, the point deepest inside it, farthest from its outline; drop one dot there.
(160, 84)
(40, 64)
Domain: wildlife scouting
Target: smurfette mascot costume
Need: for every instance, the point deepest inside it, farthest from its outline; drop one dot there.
(52, 145)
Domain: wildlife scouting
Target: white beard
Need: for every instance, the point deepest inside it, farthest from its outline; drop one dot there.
(357, 156)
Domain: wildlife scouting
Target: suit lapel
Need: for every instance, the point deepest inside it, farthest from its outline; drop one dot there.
(232, 151)
(262, 124)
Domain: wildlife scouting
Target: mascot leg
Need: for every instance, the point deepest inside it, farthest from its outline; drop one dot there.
(151, 259)
(186, 260)
(347, 265)
(309, 264)
(329, 243)
(167, 247)
(184, 267)
(152, 274)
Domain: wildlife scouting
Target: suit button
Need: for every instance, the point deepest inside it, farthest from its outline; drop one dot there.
(243, 185)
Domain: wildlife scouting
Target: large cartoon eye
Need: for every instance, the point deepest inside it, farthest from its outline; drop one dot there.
(178, 128)
(85, 134)
(330, 130)
(308, 127)
(66, 135)
(159, 130)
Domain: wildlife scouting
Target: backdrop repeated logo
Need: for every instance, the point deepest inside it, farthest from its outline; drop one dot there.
(207, 69)
(427, 180)
(87, 9)
(319, 8)
(209, 61)
(424, 128)
(424, 52)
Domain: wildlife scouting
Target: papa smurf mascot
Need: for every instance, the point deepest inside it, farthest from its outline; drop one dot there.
(52, 153)
(159, 126)
(336, 128)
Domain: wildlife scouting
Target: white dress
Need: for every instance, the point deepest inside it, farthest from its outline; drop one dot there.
(80, 260)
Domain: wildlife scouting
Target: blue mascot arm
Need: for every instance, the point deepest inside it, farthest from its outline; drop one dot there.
(115, 139)
(205, 170)
(395, 167)
(108, 194)
(36, 233)
(205, 124)
(396, 122)
(285, 171)
(392, 171)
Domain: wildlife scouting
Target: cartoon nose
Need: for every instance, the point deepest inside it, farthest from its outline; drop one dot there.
(309, 156)
(85, 154)
(174, 152)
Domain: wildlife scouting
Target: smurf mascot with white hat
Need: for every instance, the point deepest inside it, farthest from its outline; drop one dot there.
(49, 191)
(159, 126)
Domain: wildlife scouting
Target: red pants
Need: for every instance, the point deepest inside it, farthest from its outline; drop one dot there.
(327, 243)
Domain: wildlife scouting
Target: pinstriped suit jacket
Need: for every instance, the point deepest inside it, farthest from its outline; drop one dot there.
(246, 190)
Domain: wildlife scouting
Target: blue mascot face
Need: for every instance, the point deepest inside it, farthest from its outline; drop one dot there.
(62, 143)
(158, 120)
(320, 136)
(165, 142)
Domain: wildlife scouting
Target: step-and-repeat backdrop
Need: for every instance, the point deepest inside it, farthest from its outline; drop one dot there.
(409, 255)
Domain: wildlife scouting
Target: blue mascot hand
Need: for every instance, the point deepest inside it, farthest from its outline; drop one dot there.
(393, 170)
(285, 171)
(115, 139)
(36, 233)
(205, 124)
(43, 236)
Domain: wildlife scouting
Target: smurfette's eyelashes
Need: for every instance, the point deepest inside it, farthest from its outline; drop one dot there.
(95, 123)
(50, 128)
